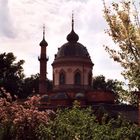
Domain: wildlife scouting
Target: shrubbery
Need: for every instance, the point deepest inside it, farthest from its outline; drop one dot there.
(81, 124)
(20, 120)
(23, 121)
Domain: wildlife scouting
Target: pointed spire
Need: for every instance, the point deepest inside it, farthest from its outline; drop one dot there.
(72, 20)
(43, 42)
(43, 31)
(72, 36)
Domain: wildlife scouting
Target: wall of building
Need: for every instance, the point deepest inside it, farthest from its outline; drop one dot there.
(70, 72)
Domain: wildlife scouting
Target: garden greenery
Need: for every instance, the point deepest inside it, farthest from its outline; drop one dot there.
(21, 120)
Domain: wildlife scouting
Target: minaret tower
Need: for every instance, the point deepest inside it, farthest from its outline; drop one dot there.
(43, 65)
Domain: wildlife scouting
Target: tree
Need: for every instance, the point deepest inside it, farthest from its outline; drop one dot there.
(11, 73)
(24, 121)
(81, 124)
(99, 83)
(124, 28)
(115, 86)
(20, 120)
(30, 86)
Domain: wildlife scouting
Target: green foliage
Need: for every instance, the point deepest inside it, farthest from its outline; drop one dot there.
(30, 86)
(99, 83)
(25, 122)
(11, 73)
(81, 124)
(115, 86)
(124, 28)
(69, 124)
(12, 78)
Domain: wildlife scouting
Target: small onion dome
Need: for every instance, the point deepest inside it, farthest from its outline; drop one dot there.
(72, 36)
(44, 98)
(43, 43)
(79, 96)
(59, 96)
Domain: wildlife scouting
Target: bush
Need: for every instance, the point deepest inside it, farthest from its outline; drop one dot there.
(81, 124)
(20, 120)
(23, 121)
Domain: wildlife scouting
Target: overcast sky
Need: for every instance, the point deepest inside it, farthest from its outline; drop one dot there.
(21, 24)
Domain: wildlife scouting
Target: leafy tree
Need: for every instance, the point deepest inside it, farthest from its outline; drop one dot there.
(13, 80)
(11, 73)
(124, 28)
(81, 124)
(30, 86)
(100, 83)
(23, 121)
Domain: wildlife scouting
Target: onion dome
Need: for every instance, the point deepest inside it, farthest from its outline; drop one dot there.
(72, 36)
(43, 43)
(72, 51)
(72, 48)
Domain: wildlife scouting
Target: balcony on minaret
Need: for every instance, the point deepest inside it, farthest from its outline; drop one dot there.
(43, 58)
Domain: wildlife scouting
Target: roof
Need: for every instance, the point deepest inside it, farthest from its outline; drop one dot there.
(43, 43)
(71, 49)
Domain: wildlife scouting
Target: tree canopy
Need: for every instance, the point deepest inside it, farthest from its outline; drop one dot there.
(11, 73)
(117, 87)
(124, 28)
(13, 80)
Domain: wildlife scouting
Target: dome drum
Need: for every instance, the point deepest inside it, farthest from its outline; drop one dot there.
(72, 61)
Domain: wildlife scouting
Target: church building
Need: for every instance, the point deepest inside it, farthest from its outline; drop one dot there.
(72, 80)
(72, 75)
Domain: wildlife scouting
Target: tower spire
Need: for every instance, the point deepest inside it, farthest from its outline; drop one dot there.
(43, 42)
(43, 31)
(72, 36)
(72, 20)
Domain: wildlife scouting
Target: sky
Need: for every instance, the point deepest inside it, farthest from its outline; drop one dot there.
(21, 24)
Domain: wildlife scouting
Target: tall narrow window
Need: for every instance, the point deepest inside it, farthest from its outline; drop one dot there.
(77, 78)
(62, 78)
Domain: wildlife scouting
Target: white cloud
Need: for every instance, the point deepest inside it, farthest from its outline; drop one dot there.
(26, 18)
(6, 25)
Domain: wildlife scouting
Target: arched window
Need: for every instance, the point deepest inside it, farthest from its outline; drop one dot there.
(77, 78)
(62, 78)
(90, 79)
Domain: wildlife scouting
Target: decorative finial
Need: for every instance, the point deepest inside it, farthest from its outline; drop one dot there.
(72, 36)
(43, 42)
(72, 20)
(43, 31)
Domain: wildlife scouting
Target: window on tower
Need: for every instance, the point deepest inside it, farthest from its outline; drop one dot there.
(77, 78)
(62, 78)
